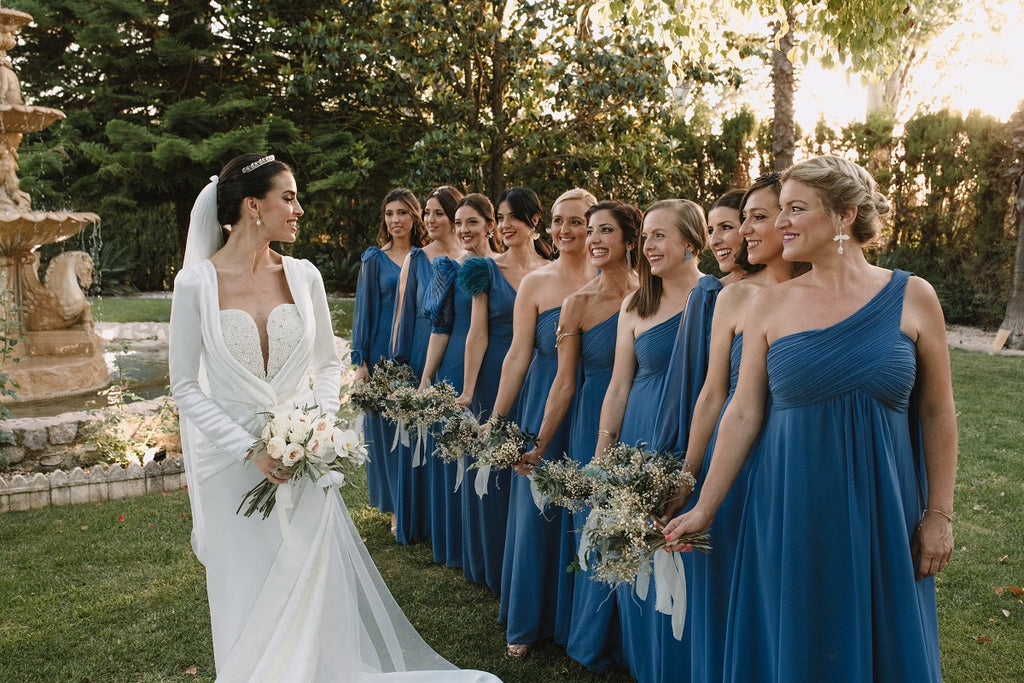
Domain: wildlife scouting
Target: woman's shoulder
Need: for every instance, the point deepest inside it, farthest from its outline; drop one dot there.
(194, 275)
(372, 253)
(475, 275)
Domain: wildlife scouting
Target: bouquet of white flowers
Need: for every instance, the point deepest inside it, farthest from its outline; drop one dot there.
(306, 442)
(561, 482)
(459, 437)
(372, 396)
(505, 444)
(415, 411)
(630, 486)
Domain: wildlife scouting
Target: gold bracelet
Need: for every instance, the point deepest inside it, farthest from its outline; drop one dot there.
(610, 435)
(938, 512)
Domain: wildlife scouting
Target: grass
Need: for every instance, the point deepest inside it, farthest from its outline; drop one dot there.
(90, 598)
(132, 309)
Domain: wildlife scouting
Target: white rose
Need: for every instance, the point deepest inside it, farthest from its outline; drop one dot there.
(325, 448)
(299, 426)
(293, 453)
(279, 424)
(322, 428)
(276, 447)
(321, 450)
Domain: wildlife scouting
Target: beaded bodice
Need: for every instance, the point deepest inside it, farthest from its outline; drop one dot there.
(284, 332)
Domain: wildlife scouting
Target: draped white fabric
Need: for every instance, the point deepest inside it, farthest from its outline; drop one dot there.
(294, 597)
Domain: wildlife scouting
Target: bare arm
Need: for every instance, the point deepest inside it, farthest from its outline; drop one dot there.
(737, 432)
(563, 388)
(476, 346)
(623, 371)
(517, 360)
(713, 394)
(932, 545)
(436, 347)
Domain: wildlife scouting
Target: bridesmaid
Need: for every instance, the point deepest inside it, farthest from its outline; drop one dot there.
(586, 350)
(412, 334)
(724, 236)
(401, 229)
(493, 285)
(845, 376)
(536, 591)
(450, 310)
(674, 233)
(712, 573)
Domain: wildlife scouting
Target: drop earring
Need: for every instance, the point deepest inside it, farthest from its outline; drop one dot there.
(840, 237)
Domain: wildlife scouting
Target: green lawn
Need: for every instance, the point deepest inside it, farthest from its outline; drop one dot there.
(131, 309)
(87, 597)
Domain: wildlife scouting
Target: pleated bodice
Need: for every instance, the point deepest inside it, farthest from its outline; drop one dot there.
(858, 353)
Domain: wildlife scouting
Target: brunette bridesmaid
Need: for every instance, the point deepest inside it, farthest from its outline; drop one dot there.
(401, 229)
(412, 335)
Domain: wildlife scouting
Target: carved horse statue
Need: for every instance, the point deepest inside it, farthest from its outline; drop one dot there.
(60, 302)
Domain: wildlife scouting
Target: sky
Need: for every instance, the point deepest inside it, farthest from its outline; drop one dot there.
(968, 67)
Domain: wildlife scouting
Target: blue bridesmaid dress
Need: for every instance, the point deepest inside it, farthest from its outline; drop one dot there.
(824, 587)
(639, 621)
(687, 370)
(484, 519)
(594, 639)
(536, 589)
(372, 321)
(452, 317)
(711, 587)
(412, 493)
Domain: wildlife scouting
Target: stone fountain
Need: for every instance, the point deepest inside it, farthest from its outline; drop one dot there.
(58, 352)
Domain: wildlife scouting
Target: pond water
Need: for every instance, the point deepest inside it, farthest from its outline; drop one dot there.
(143, 364)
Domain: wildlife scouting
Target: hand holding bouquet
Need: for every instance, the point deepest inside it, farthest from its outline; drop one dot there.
(306, 442)
(371, 397)
(504, 444)
(631, 488)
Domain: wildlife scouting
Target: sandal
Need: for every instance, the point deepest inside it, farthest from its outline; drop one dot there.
(518, 649)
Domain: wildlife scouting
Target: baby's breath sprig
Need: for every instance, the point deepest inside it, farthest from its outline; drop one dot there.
(505, 444)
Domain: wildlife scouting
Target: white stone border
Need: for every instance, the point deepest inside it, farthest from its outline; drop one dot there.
(100, 483)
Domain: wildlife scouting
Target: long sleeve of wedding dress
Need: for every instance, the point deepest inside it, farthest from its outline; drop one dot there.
(295, 597)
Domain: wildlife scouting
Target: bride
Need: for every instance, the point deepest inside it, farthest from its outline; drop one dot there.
(294, 597)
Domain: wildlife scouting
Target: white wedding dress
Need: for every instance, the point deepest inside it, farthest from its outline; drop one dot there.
(295, 597)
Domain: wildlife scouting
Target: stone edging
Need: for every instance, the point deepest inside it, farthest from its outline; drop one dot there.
(56, 442)
(98, 484)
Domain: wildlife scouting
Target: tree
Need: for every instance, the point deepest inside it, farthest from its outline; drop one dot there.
(358, 97)
(1013, 322)
(830, 31)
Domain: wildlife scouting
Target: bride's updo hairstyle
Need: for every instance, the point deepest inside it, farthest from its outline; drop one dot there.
(842, 184)
(247, 175)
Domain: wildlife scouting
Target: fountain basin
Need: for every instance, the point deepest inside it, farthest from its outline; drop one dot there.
(22, 232)
(21, 118)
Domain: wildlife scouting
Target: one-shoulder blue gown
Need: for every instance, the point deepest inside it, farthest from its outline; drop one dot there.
(484, 519)
(372, 321)
(711, 587)
(639, 621)
(594, 639)
(446, 502)
(687, 370)
(824, 587)
(536, 591)
(412, 494)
